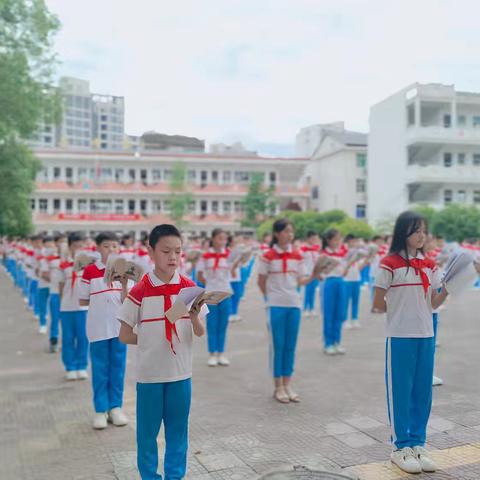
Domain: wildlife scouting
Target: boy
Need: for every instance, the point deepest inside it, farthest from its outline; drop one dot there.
(107, 354)
(72, 315)
(164, 356)
(43, 290)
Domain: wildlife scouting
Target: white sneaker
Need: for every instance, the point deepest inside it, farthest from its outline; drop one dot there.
(437, 381)
(331, 350)
(223, 361)
(212, 361)
(71, 375)
(347, 325)
(82, 374)
(99, 421)
(117, 417)
(43, 329)
(235, 318)
(406, 460)
(339, 349)
(355, 324)
(307, 314)
(424, 459)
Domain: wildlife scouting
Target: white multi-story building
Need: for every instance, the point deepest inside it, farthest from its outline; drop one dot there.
(130, 191)
(108, 122)
(337, 172)
(424, 149)
(308, 138)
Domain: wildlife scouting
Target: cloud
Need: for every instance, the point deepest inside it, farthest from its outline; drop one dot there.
(263, 69)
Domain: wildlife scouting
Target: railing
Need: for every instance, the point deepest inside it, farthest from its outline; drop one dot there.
(436, 133)
(438, 173)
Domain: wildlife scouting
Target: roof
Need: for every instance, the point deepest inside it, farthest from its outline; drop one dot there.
(348, 137)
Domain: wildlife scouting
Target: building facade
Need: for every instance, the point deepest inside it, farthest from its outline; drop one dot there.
(424, 149)
(337, 173)
(130, 191)
(308, 138)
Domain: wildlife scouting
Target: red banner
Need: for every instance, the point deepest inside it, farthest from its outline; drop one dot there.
(100, 217)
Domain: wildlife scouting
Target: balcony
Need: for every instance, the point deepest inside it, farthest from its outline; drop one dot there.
(437, 134)
(464, 174)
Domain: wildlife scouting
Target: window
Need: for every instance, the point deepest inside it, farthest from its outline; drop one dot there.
(447, 120)
(361, 160)
(461, 120)
(82, 205)
(103, 118)
(143, 207)
(273, 178)
(119, 172)
(203, 207)
(166, 206)
(447, 159)
(461, 159)
(238, 206)
(361, 211)
(43, 205)
(214, 206)
(56, 205)
(131, 175)
(131, 206)
(47, 139)
(106, 174)
(69, 205)
(241, 177)
(32, 203)
(214, 176)
(103, 145)
(315, 193)
(103, 127)
(227, 207)
(461, 196)
(361, 185)
(192, 206)
(476, 197)
(156, 206)
(203, 177)
(167, 175)
(227, 176)
(191, 175)
(143, 176)
(103, 136)
(82, 174)
(56, 173)
(156, 175)
(119, 205)
(447, 196)
(476, 159)
(476, 120)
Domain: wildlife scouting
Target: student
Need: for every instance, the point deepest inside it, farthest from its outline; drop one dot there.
(107, 354)
(280, 271)
(334, 294)
(128, 250)
(43, 290)
(72, 314)
(406, 289)
(311, 253)
(164, 356)
(141, 255)
(214, 270)
(236, 281)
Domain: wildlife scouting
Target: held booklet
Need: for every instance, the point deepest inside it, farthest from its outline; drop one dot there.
(118, 267)
(190, 297)
(325, 264)
(83, 259)
(460, 272)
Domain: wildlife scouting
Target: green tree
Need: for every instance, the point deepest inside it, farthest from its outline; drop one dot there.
(428, 212)
(180, 197)
(26, 97)
(259, 202)
(355, 227)
(457, 222)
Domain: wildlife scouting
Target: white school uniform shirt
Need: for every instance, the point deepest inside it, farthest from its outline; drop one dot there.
(164, 352)
(311, 254)
(216, 267)
(142, 257)
(409, 293)
(339, 269)
(53, 264)
(128, 253)
(283, 269)
(71, 287)
(42, 266)
(105, 302)
(29, 262)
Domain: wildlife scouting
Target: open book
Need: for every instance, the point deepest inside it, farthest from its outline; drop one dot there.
(85, 258)
(189, 298)
(460, 272)
(118, 267)
(241, 254)
(325, 264)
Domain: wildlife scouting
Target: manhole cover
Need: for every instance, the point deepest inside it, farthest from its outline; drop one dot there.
(304, 474)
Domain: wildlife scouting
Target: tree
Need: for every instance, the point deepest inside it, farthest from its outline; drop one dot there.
(180, 199)
(259, 202)
(457, 222)
(26, 97)
(355, 227)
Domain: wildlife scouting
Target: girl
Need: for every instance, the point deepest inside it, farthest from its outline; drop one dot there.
(280, 271)
(406, 289)
(214, 270)
(311, 252)
(334, 294)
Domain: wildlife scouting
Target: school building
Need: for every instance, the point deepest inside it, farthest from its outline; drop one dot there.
(89, 191)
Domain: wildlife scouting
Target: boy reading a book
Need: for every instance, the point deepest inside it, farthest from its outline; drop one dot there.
(164, 355)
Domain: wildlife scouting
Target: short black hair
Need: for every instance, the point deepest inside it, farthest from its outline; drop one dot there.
(126, 236)
(75, 237)
(311, 234)
(47, 238)
(163, 230)
(349, 237)
(106, 236)
(376, 237)
(59, 236)
(33, 238)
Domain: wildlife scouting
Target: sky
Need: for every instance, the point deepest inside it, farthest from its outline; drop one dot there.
(257, 71)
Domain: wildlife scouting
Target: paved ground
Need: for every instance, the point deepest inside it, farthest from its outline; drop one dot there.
(237, 430)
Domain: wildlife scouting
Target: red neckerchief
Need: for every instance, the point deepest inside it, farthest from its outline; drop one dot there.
(308, 248)
(65, 265)
(418, 264)
(141, 252)
(340, 253)
(217, 257)
(50, 258)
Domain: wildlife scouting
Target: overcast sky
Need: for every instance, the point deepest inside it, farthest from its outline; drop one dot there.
(259, 70)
